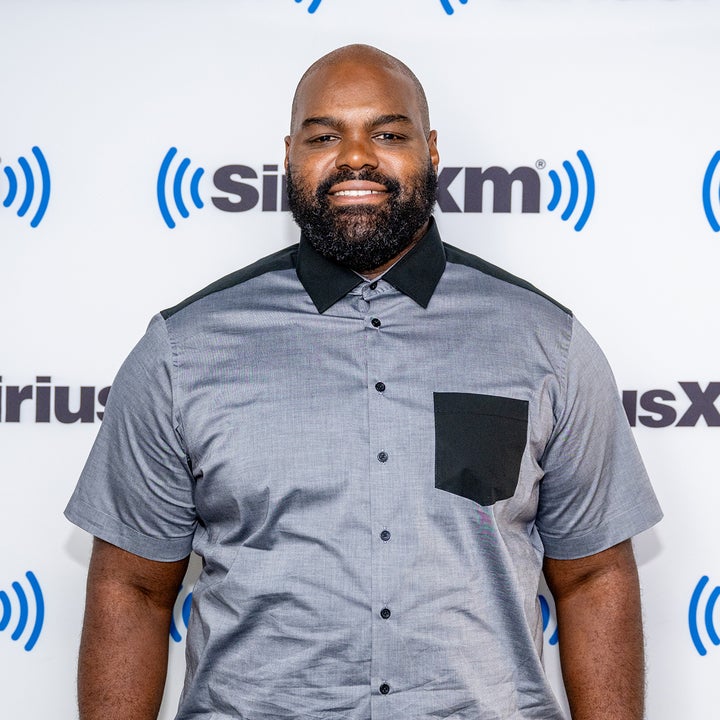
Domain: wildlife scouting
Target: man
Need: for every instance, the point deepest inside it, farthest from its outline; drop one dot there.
(376, 443)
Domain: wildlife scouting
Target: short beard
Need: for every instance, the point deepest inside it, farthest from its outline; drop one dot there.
(363, 237)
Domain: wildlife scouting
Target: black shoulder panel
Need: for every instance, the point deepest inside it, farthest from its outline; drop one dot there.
(281, 260)
(460, 257)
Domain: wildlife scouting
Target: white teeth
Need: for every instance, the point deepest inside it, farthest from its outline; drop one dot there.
(357, 193)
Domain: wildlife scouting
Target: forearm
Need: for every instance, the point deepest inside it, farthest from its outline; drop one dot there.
(601, 643)
(123, 658)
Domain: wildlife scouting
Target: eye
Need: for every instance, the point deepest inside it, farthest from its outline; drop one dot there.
(388, 136)
(320, 139)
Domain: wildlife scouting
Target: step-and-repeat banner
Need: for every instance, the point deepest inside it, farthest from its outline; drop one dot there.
(141, 149)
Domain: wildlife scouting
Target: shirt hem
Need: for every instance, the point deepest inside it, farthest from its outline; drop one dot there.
(599, 539)
(110, 529)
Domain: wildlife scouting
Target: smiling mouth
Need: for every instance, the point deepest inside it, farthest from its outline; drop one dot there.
(358, 190)
(357, 193)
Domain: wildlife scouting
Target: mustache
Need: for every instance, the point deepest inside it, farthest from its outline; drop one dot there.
(367, 174)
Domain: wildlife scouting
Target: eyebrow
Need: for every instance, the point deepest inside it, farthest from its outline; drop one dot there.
(330, 121)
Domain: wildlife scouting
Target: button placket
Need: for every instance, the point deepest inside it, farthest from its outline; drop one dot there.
(382, 440)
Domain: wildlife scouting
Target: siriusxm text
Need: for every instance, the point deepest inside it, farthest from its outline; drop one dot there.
(660, 408)
(43, 401)
(460, 189)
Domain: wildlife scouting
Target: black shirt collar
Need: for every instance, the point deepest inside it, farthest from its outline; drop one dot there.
(415, 274)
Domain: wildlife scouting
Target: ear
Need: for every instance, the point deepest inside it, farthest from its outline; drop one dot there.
(288, 140)
(432, 147)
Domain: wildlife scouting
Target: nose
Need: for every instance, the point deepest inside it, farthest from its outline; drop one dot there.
(356, 153)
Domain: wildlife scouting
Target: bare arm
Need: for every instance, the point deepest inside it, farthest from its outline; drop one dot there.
(123, 651)
(600, 633)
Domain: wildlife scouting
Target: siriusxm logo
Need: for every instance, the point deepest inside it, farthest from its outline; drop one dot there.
(663, 413)
(577, 192)
(448, 8)
(446, 5)
(28, 187)
(20, 606)
(178, 187)
(314, 5)
(703, 610)
(573, 190)
(45, 400)
(460, 189)
(546, 619)
(183, 603)
(711, 192)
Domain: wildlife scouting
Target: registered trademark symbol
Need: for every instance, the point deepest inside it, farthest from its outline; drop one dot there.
(540, 164)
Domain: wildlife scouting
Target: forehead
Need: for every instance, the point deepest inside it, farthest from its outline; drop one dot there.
(354, 88)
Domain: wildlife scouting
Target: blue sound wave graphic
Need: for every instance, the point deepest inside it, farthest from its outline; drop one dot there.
(43, 186)
(447, 7)
(184, 605)
(23, 610)
(177, 187)
(710, 176)
(315, 4)
(546, 615)
(574, 190)
(707, 615)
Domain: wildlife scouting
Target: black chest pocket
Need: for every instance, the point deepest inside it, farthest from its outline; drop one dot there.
(479, 443)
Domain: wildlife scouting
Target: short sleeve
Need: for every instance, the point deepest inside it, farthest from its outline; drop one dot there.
(595, 491)
(136, 489)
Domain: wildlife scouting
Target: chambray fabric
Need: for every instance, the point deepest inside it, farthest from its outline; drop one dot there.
(371, 473)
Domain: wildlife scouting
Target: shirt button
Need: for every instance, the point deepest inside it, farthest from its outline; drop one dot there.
(382, 456)
(385, 613)
(373, 285)
(385, 535)
(384, 689)
(380, 386)
(375, 322)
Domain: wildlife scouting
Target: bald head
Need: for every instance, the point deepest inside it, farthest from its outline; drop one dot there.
(366, 56)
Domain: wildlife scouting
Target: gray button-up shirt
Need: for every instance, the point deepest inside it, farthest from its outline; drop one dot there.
(371, 473)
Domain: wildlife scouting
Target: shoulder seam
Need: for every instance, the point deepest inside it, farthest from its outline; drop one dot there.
(461, 257)
(282, 260)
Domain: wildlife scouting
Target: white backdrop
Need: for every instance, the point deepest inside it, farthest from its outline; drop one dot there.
(104, 89)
